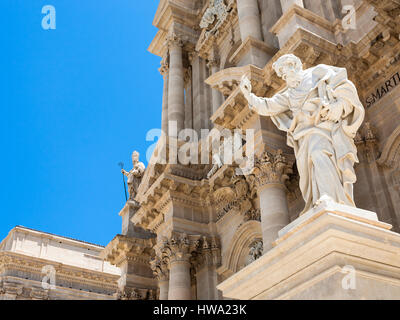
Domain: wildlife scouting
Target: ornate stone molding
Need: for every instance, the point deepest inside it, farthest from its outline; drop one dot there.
(124, 248)
(270, 169)
(174, 40)
(177, 248)
(160, 269)
(230, 192)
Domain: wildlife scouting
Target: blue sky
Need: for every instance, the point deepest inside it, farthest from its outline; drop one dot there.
(75, 101)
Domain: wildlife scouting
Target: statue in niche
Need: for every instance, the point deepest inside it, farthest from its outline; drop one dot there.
(321, 112)
(134, 176)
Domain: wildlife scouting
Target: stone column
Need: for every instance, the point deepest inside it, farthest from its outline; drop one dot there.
(160, 270)
(209, 258)
(271, 172)
(216, 95)
(179, 268)
(249, 19)
(286, 4)
(164, 70)
(176, 90)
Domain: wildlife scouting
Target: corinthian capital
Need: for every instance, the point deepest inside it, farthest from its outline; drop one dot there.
(173, 40)
(271, 169)
(160, 269)
(177, 248)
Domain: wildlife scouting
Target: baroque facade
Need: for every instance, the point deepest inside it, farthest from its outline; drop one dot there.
(203, 231)
(208, 222)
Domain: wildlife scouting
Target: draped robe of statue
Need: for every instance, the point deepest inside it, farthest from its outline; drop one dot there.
(325, 151)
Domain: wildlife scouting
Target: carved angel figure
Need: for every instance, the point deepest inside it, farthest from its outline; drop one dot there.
(135, 175)
(321, 112)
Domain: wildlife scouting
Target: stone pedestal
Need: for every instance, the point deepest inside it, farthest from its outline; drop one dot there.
(129, 210)
(132, 255)
(331, 252)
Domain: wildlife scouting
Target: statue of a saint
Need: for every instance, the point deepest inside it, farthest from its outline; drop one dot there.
(134, 176)
(321, 112)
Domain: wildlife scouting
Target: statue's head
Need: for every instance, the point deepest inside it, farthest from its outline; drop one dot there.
(135, 157)
(289, 68)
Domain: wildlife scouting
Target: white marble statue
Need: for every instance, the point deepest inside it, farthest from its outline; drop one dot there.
(321, 112)
(135, 175)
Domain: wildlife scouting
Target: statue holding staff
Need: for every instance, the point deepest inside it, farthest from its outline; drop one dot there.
(134, 176)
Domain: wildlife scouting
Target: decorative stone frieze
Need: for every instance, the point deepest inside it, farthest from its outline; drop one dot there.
(256, 250)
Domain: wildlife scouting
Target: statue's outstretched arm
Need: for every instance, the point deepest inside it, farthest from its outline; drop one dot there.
(263, 106)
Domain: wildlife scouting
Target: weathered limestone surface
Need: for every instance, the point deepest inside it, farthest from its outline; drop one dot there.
(189, 229)
(316, 256)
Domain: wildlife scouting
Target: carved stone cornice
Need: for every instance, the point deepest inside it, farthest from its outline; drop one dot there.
(123, 248)
(15, 261)
(270, 169)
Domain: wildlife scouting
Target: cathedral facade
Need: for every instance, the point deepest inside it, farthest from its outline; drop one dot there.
(201, 230)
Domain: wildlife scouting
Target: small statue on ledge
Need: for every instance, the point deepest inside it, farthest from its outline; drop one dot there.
(134, 176)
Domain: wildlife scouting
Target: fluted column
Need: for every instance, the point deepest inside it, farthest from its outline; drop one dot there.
(177, 249)
(207, 262)
(286, 4)
(270, 174)
(176, 83)
(164, 70)
(249, 19)
(216, 95)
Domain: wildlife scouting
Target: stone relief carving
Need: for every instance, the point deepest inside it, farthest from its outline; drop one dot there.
(256, 251)
(134, 176)
(321, 112)
(214, 16)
